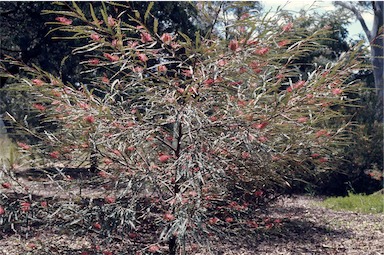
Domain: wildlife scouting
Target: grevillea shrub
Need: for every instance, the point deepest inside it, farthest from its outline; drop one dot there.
(183, 137)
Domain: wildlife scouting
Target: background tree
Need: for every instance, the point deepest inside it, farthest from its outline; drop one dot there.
(375, 38)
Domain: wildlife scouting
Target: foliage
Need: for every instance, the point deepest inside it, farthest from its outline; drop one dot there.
(24, 36)
(356, 202)
(184, 135)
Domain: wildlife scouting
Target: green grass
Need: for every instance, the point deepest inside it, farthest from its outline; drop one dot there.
(357, 203)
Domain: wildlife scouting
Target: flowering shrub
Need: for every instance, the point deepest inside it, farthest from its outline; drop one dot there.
(185, 136)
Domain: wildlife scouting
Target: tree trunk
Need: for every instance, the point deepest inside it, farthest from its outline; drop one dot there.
(375, 38)
(377, 54)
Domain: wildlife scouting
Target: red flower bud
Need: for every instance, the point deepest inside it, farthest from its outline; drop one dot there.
(64, 20)
(164, 158)
(6, 185)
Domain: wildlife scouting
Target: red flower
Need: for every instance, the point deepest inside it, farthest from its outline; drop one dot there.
(166, 38)
(107, 161)
(262, 139)
(117, 152)
(23, 146)
(54, 154)
(245, 155)
(242, 70)
(145, 37)
(244, 16)
(39, 107)
(83, 105)
(209, 81)
(110, 57)
(315, 155)
(94, 61)
(259, 193)
(89, 119)
(142, 57)
(95, 37)
(97, 225)
(277, 221)
(110, 199)
(187, 72)
(175, 45)
(168, 217)
(283, 43)
(105, 79)
(222, 62)
(262, 51)
(38, 82)
(138, 69)
(302, 119)
(132, 235)
(103, 174)
(111, 21)
(321, 133)
(287, 27)
(213, 118)
(44, 204)
(164, 158)
(31, 246)
(162, 68)
(323, 160)
(25, 206)
(260, 125)
(64, 20)
(255, 66)
(252, 224)
(130, 148)
(233, 45)
(242, 103)
(153, 248)
(213, 221)
(6, 185)
(252, 42)
(114, 43)
(229, 219)
(107, 253)
(337, 91)
(299, 84)
(2, 211)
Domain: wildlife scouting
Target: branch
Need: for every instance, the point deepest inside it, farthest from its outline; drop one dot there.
(358, 15)
(9, 50)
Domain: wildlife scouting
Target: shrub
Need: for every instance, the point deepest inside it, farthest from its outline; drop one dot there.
(184, 136)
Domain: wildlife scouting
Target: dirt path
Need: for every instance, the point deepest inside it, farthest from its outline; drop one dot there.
(310, 229)
(306, 228)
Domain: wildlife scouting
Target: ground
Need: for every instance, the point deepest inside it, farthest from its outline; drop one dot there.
(306, 228)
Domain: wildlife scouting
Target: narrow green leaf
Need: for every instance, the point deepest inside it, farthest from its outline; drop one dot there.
(197, 41)
(155, 25)
(148, 11)
(186, 38)
(78, 10)
(137, 14)
(104, 13)
(95, 19)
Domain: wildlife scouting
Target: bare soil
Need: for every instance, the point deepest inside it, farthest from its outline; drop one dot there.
(306, 228)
